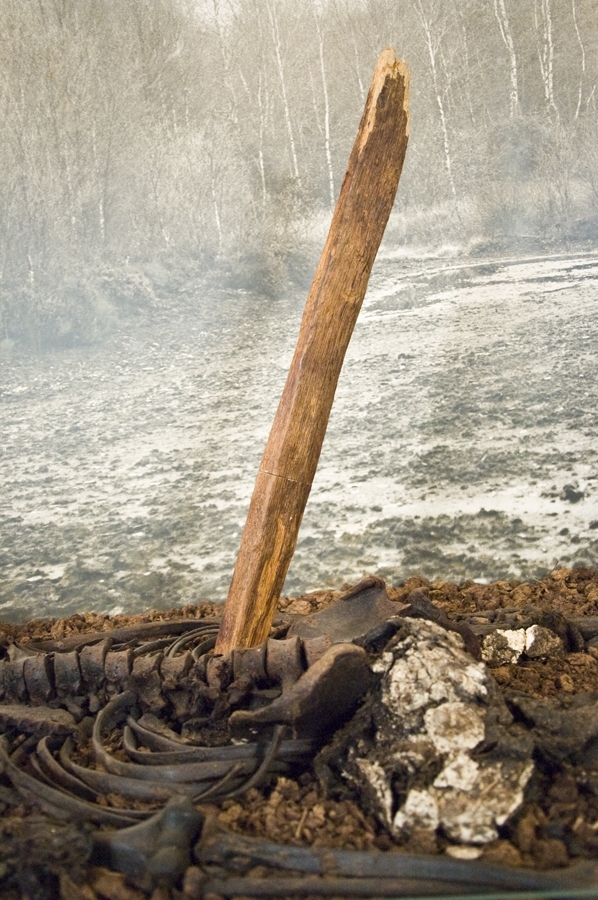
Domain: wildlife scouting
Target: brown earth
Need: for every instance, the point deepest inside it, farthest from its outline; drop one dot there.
(557, 825)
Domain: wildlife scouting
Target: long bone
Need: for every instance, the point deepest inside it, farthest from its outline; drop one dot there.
(106, 783)
(307, 871)
(365, 873)
(130, 633)
(289, 750)
(333, 886)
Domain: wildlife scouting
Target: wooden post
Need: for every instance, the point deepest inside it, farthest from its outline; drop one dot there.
(291, 456)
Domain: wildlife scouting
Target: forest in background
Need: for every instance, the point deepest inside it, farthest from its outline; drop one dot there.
(152, 144)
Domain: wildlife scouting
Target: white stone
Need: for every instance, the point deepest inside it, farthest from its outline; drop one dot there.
(432, 713)
(455, 726)
(419, 811)
(504, 646)
(471, 816)
(460, 773)
(463, 851)
(412, 681)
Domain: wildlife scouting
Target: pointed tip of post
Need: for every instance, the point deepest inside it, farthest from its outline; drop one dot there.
(387, 59)
(388, 66)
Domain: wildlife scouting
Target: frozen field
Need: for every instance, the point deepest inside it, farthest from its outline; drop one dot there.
(463, 441)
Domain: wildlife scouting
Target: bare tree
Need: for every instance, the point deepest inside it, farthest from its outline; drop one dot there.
(500, 12)
(543, 23)
(326, 109)
(583, 59)
(344, 16)
(277, 44)
(433, 46)
(213, 129)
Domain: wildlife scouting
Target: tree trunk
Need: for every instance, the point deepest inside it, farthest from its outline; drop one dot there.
(546, 53)
(291, 456)
(326, 112)
(438, 92)
(583, 59)
(283, 88)
(500, 11)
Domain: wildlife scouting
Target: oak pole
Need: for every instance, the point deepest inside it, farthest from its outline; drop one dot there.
(291, 456)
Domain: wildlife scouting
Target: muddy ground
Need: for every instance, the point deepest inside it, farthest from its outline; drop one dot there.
(462, 442)
(557, 825)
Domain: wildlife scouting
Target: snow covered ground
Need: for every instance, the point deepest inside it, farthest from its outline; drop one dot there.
(462, 443)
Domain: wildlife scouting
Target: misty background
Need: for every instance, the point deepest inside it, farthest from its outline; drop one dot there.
(167, 174)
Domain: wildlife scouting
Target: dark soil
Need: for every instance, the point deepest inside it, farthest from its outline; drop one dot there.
(557, 825)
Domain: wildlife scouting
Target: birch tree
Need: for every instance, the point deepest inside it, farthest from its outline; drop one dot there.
(257, 104)
(432, 41)
(583, 58)
(345, 18)
(543, 23)
(326, 109)
(278, 54)
(502, 18)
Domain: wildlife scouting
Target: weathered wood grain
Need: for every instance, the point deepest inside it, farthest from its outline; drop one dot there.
(293, 449)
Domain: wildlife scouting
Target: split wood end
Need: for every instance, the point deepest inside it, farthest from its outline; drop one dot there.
(388, 66)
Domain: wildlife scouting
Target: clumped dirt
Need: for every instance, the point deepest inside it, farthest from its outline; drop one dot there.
(297, 812)
(573, 592)
(574, 674)
(557, 825)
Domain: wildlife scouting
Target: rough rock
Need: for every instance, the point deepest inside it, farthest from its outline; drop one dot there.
(566, 734)
(541, 643)
(506, 646)
(503, 646)
(440, 749)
